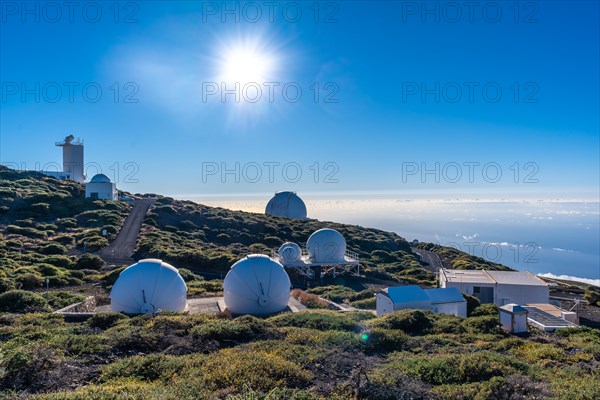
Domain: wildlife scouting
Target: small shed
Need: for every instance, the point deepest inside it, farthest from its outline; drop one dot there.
(439, 301)
(513, 318)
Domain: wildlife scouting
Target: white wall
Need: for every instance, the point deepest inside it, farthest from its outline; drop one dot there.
(505, 294)
(106, 191)
(384, 304)
(521, 294)
(515, 323)
(459, 308)
(506, 321)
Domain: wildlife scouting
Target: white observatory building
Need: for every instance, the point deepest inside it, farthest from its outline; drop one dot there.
(149, 286)
(326, 246)
(101, 188)
(257, 285)
(73, 167)
(325, 250)
(286, 204)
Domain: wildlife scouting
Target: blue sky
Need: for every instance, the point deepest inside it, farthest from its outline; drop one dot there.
(372, 58)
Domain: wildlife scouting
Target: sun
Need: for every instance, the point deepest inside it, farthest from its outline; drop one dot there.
(246, 64)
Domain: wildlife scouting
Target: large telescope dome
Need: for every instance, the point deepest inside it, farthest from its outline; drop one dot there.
(286, 204)
(256, 284)
(149, 286)
(326, 245)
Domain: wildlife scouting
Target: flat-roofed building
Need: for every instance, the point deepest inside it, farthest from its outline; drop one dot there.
(497, 287)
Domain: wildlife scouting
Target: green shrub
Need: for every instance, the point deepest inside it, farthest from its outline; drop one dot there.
(458, 368)
(89, 261)
(60, 299)
(48, 270)
(59, 261)
(380, 340)
(592, 295)
(93, 243)
(222, 329)
(472, 303)
(29, 280)
(21, 301)
(483, 324)
(322, 320)
(485, 309)
(7, 284)
(106, 320)
(366, 304)
(413, 322)
(65, 240)
(29, 232)
(145, 368)
(67, 222)
(53, 248)
(189, 276)
(238, 368)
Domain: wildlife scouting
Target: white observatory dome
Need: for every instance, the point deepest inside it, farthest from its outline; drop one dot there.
(290, 252)
(100, 178)
(256, 284)
(286, 204)
(326, 245)
(149, 286)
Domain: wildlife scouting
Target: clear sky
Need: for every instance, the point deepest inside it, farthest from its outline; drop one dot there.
(388, 89)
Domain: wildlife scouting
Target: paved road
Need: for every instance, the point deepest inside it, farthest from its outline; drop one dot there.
(121, 250)
(433, 262)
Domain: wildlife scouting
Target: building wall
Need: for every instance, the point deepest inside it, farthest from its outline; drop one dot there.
(515, 323)
(459, 309)
(521, 294)
(106, 191)
(505, 294)
(384, 304)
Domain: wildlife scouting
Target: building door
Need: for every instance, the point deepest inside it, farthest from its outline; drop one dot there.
(94, 196)
(484, 294)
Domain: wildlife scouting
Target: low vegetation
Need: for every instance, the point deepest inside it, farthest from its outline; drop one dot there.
(314, 354)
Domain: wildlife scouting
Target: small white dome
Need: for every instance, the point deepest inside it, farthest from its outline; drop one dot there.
(149, 286)
(100, 178)
(326, 245)
(290, 252)
(256, 284)
(286, 204)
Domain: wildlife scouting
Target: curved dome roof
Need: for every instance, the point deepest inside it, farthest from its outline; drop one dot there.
(286, 204)
(256, 284)
(100, 178)
(149, 286)
(290, 252)
(326, 245)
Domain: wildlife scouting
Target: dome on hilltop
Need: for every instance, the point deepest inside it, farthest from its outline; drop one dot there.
(100, 178)
(286, 204)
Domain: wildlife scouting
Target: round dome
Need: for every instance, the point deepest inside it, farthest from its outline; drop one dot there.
(290, 252)
(149, 286)
(100, 178)
(256, 284)
(286, 204)
(326, 245)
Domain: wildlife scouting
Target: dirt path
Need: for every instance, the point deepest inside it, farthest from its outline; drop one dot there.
(431, 259)
(121, 250)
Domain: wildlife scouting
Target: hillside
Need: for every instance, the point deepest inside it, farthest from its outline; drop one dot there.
(317, 354)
